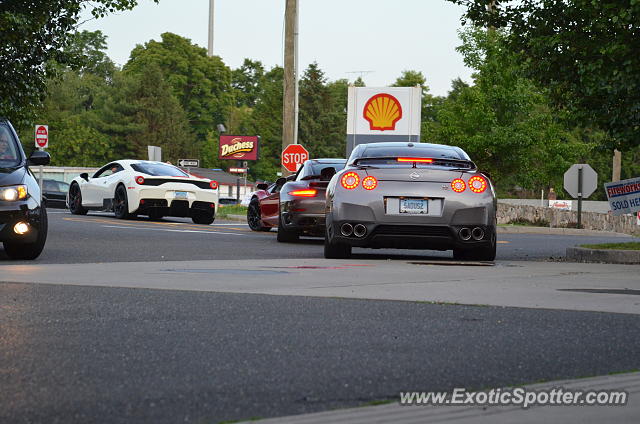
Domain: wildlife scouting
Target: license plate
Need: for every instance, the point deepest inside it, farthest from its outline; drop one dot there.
(181, 195)
(414, 206)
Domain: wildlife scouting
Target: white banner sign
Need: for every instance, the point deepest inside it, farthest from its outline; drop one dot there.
(564, 205)
(623, 196)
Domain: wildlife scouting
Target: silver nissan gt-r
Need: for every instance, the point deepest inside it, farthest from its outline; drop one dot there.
(411, 196)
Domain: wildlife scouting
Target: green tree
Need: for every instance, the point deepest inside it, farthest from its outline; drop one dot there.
(202, 84)
(33, 36)
(584, 51)
(246, 82)
(504, 121)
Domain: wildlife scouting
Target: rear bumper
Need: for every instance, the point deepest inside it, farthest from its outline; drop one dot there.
(305, 216)
(165, 197)
(180, 208)
(409, 236)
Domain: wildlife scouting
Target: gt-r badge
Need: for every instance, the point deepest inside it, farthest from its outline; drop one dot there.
(414, 175)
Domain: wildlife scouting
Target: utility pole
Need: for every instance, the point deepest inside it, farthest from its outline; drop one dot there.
(617, 165)
(290, 100)
(210, 49)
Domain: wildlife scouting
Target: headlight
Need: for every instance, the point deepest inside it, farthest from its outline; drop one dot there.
(13, 193)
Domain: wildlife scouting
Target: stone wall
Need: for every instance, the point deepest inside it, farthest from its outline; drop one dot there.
(558, 218)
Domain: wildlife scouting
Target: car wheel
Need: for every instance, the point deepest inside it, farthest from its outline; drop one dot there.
(203, 217)
(485, 253)
(333, 250)
(75, 200)
(30, 250)
(254, 217)
(121, 203)
(285, 235)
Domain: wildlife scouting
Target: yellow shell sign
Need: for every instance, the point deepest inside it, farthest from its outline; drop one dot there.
(382, 111)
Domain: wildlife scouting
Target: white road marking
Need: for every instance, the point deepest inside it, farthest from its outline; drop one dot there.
(174, 231)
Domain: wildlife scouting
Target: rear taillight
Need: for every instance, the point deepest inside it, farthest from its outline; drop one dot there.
(477, 184)
(458, 185)
(350, 180)
(369, 183)
(419, 160)
(213, 184)
(140, 179)
(304, 193)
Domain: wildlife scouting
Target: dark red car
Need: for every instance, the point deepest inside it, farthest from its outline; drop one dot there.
(296, 204)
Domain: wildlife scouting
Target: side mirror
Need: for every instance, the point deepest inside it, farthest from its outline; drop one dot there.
(39, 157)
(327, 173)
(84, 176)
(280, 181)
(262, 186)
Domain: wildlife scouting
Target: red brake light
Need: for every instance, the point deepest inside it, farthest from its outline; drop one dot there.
(419, 160)
(213, 184)
(477, 184)
(369, 183)
(304, 193)
(350, 180)
(458, 185)
(140, 179)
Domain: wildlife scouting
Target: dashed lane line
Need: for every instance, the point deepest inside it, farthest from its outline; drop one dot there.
(170, 230)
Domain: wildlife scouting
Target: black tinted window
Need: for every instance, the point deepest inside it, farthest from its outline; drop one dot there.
(9, 155)
(314, 169)
(158, 169)
(416, 151)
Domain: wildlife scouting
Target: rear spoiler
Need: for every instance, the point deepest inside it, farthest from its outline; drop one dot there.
(454, 164)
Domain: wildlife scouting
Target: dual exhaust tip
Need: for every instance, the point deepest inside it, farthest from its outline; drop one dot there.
(358, 230)
(467, 233)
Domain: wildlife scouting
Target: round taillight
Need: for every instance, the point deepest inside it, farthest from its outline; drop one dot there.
(213, 184)
(140, 179)
(458, 185)
(350, 180)
(477, 184)
(370, 182)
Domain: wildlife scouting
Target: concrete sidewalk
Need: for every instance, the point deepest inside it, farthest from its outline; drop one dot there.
(554, 285)
(397, 414)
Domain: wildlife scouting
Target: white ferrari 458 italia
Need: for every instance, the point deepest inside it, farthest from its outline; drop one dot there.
(139, 187)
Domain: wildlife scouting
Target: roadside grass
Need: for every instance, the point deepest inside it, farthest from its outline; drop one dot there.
(526, 222)
(632, 245)
(227, 210)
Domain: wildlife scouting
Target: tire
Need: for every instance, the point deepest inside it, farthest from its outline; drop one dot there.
(202, 217)
(75, 200)
(30, 251)
(333, 250)
(254, 217)
(121, 203)
(485, 253)
(285, 235)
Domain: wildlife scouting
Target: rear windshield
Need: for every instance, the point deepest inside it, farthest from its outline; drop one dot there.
(314, 169)
(158, 169)
(413, 152)
(9, 155)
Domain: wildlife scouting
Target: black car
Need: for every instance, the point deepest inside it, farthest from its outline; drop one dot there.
(23, 218)
(55, 193)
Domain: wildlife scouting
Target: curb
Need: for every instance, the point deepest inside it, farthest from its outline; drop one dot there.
(564, 231)
(610, 256)
(239, 218)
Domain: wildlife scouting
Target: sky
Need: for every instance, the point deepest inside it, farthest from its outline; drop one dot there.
(375, 39)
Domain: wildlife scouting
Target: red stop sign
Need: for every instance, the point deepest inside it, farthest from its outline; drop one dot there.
(293, 156)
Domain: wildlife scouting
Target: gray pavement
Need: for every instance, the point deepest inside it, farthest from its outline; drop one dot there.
(73, 354)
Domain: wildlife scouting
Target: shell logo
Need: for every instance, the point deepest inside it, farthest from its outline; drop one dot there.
(382, 111)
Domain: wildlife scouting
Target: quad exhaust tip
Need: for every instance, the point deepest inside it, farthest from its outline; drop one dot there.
(359, 230)
(465, 233)
(477, 233)
(346, 229)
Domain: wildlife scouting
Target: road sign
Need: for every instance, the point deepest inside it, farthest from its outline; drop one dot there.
(238, 170)
(293, 156)
(572, 183)
(189, 162)
(42, 136)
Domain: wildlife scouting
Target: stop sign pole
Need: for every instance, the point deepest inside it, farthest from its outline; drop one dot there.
(580, 181)
(42, 141)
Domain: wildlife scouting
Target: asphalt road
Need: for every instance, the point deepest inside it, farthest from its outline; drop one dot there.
(102, 238)
(73, 354)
